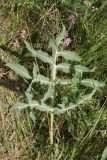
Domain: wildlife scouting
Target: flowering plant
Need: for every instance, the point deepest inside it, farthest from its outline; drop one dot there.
(53, 81)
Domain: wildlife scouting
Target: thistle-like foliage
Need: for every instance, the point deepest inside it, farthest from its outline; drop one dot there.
(52, 82)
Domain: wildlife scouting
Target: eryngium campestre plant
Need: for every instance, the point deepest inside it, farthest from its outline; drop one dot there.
(52, 82)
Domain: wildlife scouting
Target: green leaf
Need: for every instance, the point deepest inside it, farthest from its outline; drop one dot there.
(48, 94)
(32, 116)
(34, 71)
(69, 55)
(104, 155)
(52, 44)
(19, 105)
(91, 83)
(29, 88)
(33, 104)
(71, 106)
(64, 81)
(61, 106)
(39, 54)
(86, 98)
(63, 67)
(81, 69)
(29, 96)
(59, 111)
(61, 36)
(20, 70)
(42, 79)
(63, 109)
(43, 56)
(28, 46)
(43, 108)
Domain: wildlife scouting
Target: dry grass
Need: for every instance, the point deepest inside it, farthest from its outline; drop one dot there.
(13, 143)
(14, 135)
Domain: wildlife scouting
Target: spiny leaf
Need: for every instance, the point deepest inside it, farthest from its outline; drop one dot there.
(104, 155)
(42, 79)
(43, 56)
(59, 111)
(48, 94)
(32, 116)
(43, 108)
(61, 36)
(61, 106)
(64, 81)
(52, 44)
(29, 96)
(69, 55)
(81, 69)
(34, 71)
(85, 98)
(33, 104)
(29, 88)
(28, 46)
(39, 54)
(64, 67)
(19, 105)
(63, 109)
(91, 83)
(20, 70)
(71, 106)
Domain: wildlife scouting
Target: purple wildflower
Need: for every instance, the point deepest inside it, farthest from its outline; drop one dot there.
(67, 41)
(23, 34)
(71, 19)
(16, 44)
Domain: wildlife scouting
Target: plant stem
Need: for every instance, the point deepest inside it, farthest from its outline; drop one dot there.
(51, 128)
(53, 77)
